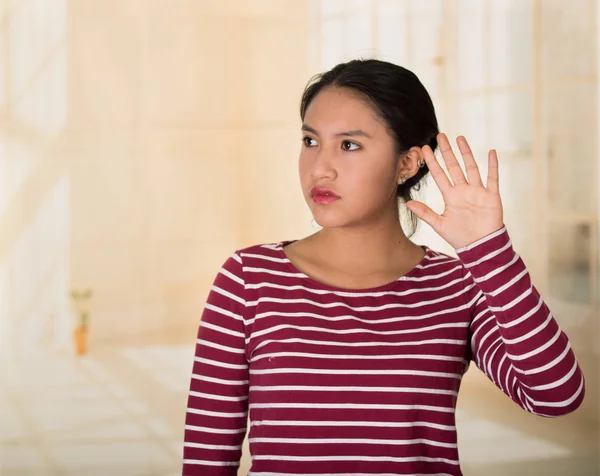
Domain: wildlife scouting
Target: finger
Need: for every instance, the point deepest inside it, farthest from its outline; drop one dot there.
(424, 213)
(438, 174)
(493, 178)
(471, 168)
(454, 169)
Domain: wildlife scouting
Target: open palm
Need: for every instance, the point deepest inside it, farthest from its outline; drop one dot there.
(471, 210)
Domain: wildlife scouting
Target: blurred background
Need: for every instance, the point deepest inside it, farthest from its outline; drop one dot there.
(142, 141)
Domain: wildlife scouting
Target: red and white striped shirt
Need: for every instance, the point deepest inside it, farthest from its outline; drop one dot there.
(365, 382)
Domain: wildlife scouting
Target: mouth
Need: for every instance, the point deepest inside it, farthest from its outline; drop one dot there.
(323, 195)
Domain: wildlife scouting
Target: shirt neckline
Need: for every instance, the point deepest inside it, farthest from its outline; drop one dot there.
(321, 285)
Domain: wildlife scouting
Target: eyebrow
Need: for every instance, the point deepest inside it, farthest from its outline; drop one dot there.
(352, 133)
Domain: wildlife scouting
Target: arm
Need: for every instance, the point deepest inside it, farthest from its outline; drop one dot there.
(215, 422)
(515, 340)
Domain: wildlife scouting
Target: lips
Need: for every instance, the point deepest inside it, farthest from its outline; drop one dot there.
(323, 195)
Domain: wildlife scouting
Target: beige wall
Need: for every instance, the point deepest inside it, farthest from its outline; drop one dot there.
(170, 140)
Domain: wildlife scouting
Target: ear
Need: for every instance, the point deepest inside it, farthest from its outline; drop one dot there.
(408, 165)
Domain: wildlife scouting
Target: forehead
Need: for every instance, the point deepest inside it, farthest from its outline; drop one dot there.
(342, 107)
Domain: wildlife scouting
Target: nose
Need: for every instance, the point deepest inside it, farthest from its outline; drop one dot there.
(323, 166)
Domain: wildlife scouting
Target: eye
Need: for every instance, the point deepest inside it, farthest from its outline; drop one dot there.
(307, 141)
(350, 146)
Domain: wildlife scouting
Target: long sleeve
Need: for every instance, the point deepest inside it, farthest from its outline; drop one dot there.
(216, 417)
(515, 340)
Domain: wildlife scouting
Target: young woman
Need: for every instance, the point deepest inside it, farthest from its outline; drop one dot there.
(348, 346)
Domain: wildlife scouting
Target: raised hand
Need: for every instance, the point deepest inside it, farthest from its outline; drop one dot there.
(472, 210)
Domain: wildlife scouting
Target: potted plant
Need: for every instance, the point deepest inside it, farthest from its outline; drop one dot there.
(81, 333)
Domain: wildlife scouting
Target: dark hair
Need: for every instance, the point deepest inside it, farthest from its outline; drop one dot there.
(398, 97)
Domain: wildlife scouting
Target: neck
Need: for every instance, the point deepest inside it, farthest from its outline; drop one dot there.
(371, 247)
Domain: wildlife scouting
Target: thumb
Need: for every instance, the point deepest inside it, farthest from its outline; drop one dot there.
(424, 213)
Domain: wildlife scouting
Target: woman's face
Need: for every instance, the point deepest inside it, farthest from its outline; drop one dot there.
(349, 168)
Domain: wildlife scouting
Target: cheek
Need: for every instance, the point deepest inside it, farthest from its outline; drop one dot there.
(375, 182)
(303, 171)
(304, 161)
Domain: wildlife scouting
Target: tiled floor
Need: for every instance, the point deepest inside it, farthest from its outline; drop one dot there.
(120, 413)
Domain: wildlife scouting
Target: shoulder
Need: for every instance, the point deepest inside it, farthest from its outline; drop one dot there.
(260, 255)
(262, 251)
(439, 266)
(261, 263)
(250, 258)
(262, 248)
(435, 257)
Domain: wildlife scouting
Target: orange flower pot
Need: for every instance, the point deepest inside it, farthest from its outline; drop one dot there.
(80, 337)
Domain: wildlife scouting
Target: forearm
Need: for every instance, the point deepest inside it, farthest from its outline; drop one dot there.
(515, 338)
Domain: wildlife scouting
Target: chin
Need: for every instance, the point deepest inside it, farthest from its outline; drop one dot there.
(346, 220)
(332, 220)
(339, 215)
